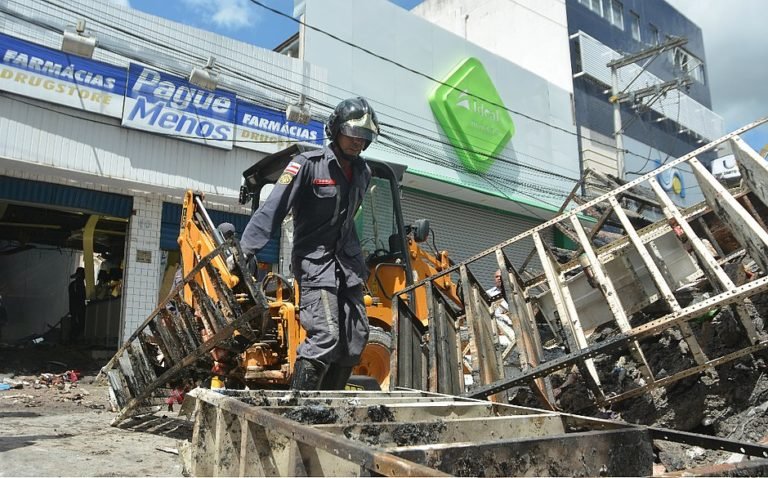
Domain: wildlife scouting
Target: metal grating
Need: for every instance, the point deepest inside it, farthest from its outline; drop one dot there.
(607, 281)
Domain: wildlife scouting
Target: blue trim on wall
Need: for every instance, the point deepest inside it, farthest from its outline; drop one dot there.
(37, 192)
(590, 99)
(169, 230)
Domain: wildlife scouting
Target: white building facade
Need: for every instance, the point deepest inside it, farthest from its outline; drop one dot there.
(110, 144)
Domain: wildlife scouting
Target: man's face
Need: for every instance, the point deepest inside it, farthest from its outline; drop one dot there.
(497, 279)
(349, 145)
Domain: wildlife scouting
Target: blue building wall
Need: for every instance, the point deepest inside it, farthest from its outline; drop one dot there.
(592, 107)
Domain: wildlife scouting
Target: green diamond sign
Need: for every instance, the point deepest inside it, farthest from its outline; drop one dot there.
(472, 115)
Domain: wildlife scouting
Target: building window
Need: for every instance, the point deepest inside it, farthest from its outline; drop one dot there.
(688, 64)
(594, 5)
(655, 38)
(635, 26)
(615, 14)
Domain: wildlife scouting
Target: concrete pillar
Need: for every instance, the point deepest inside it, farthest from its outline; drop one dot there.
(140, 278)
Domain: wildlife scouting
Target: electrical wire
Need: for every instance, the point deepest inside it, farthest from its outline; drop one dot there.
(105, 123)
(398, 145)
(289, 17)
(500, 158)
(449, 165)
(125, 52)
(425, 157)
(435, 80)
(640, 171)
(288, 92)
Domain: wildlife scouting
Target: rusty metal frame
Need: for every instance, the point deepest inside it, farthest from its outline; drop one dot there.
(242, 433)
(623, 296)
(135, 387)
(249, 433)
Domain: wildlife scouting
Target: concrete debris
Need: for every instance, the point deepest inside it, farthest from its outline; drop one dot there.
(172, 451)
(18, 396)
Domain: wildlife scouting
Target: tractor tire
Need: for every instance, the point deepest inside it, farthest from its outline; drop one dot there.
(374, 361)
(363, 382)
(380, 336)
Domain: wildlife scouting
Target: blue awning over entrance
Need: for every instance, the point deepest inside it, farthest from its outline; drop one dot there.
(37, 192)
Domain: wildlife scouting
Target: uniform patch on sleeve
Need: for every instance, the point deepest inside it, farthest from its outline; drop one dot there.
(292, 168)
(285, 178)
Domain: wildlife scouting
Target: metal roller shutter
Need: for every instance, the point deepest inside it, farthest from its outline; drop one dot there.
(464, 230)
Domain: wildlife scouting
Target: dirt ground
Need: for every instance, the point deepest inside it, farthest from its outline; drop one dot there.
(63, 429)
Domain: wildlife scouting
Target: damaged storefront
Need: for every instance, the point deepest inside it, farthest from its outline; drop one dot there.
(97, 148)
(47, 231)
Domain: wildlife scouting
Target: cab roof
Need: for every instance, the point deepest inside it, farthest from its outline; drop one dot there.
(269, 169)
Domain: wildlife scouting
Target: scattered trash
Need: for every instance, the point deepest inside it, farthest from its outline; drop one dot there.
(17, 384)
(176, 396)
(71, 376)
(4, 386)
(23, 396)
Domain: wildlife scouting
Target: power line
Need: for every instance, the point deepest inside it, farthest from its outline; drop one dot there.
(499, 158)
(650, 148)
(169, 135)
(409, 152)
(420, 152)
(241, 74)
(424, 75)
(490, 178)
(184, 55)
(288, 92)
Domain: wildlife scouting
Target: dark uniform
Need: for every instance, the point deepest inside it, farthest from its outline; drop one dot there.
(327, 259)
(76, 292)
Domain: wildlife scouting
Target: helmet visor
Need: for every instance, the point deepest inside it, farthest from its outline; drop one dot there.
(363, 128)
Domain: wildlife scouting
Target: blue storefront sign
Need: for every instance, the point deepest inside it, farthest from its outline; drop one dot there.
(50, 75)
(162, 103)
(263, 129)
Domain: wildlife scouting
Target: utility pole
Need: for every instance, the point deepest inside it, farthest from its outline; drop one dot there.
(617, 122)
(618, 96)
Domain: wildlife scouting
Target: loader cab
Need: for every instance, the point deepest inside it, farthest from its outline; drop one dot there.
(379, 221)
(383, 237)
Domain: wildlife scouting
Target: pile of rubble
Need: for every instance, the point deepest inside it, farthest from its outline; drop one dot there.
(730, 401)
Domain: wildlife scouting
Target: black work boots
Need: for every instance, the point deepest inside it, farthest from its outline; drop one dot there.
(315, 375)
(308, 374)
(336, 377)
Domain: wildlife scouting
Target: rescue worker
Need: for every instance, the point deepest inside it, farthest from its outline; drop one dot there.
(226, 229)
(76, 291)
(325, 188)
(500, 308)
